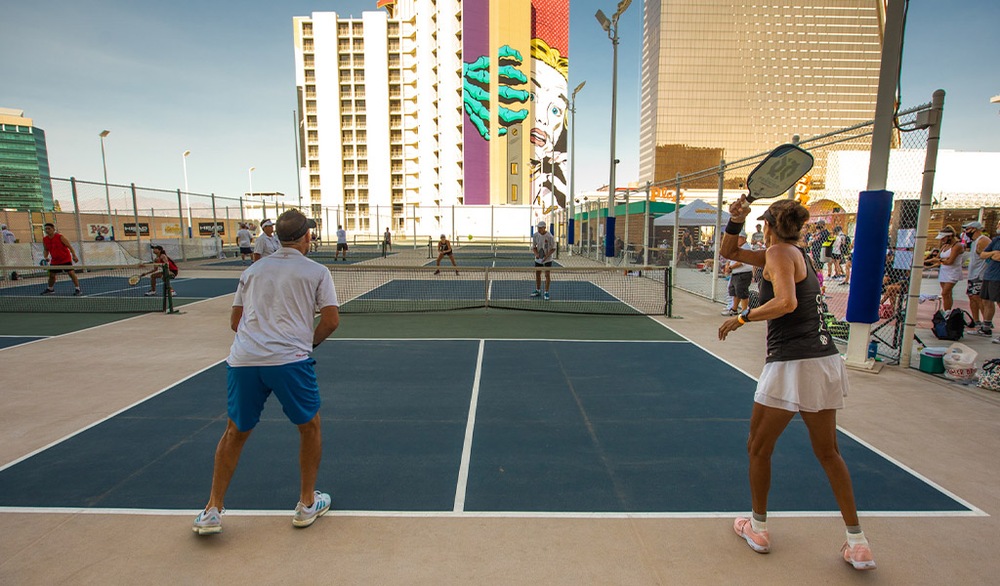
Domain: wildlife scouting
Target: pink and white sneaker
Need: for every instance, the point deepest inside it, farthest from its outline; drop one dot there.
(758, 541)
(859, 555)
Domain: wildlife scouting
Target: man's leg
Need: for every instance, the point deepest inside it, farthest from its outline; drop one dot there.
(227, 456)
(310, 453)
(975, 308)
(548, 280)
(538, 280)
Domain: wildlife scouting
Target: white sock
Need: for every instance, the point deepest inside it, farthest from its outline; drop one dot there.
(758, 526)
(856, 539)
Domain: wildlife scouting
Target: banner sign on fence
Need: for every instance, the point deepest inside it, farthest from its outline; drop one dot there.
(172, 230)
(130, 228)
(95, 230)
(205, 228)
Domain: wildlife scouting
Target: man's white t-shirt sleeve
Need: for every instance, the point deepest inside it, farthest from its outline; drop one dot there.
(258, 246)
(326, 294)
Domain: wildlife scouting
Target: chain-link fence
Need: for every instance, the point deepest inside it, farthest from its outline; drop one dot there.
(117, 224)
(830, 192)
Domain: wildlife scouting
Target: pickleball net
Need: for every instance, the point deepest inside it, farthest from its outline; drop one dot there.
(104, 289)
(486, 250)
(591, 290)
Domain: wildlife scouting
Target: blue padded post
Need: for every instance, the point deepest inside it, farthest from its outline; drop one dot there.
(871, 239)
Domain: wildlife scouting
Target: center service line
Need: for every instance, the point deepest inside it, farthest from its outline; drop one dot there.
(470, 425)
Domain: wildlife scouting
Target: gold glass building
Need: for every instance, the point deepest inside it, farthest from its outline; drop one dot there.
(731, 78)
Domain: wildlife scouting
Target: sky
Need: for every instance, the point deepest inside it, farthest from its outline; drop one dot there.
(202, 76)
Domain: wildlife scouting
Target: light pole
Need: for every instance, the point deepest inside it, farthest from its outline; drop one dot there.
(187, 194)
(572, 166)
(107, 192)
(611, 27)
(250, 175)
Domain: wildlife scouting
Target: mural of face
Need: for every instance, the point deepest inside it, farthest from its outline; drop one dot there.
(548, 88)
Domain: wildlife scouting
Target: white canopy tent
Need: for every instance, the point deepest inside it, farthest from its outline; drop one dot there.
(696, 213)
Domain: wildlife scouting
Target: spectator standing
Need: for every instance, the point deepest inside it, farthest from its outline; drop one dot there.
(740, 277)
(245, 241)
(8, 236)
(387, 240)
(990, 293)
(949, 265)
(268, 243)
(977, 265)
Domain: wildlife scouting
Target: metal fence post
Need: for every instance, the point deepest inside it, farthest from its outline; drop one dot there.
(215, 225)
(677, 225)
(138, 232)
(180, 215)
(79, 226)
(645, 228)
(923, 220)
(717, 236)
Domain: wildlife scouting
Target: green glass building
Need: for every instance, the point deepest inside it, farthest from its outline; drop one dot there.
(25, 182)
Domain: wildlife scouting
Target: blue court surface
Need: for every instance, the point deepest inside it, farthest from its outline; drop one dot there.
(527, 261)
(112, 286)
(10, 341)
(321, 257)
(103, 302)
(403, 289)
(471, 426)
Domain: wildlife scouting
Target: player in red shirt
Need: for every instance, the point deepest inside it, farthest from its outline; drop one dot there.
(59, 252)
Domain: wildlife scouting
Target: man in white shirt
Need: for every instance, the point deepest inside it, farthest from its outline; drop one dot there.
(341, 243)
(543, 245)
(740, 277)
(272, 315)
(244, 240)
(268, 243)
(8, 236)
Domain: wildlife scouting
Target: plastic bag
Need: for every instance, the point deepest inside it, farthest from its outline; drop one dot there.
(960, 363)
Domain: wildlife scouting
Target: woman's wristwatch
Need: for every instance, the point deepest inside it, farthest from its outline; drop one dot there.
(744, 317)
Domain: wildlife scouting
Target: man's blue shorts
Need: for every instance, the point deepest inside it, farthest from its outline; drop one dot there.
(294, 384)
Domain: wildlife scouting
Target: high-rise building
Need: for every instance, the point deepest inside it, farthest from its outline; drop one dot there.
(380, 112)
(24, 164)
(431, 104)
(732, 78)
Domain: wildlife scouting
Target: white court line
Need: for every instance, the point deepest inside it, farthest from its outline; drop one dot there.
(512, 340)
(482, 514)
(470, 425)
(16, 336)
(100, 421)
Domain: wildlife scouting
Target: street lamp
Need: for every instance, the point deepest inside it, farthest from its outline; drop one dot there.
(572, 165)
(610, 26)
(250, 174)
(187, 194)
(107, 193)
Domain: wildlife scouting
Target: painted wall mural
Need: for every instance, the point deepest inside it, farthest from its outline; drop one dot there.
(531, 92)
(550, 101)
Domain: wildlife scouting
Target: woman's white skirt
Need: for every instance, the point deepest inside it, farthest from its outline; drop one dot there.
(810, 384)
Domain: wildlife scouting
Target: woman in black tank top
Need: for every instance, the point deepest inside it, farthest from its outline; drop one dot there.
(803, 372)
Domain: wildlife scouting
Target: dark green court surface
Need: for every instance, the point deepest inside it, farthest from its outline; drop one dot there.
(500, 323)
